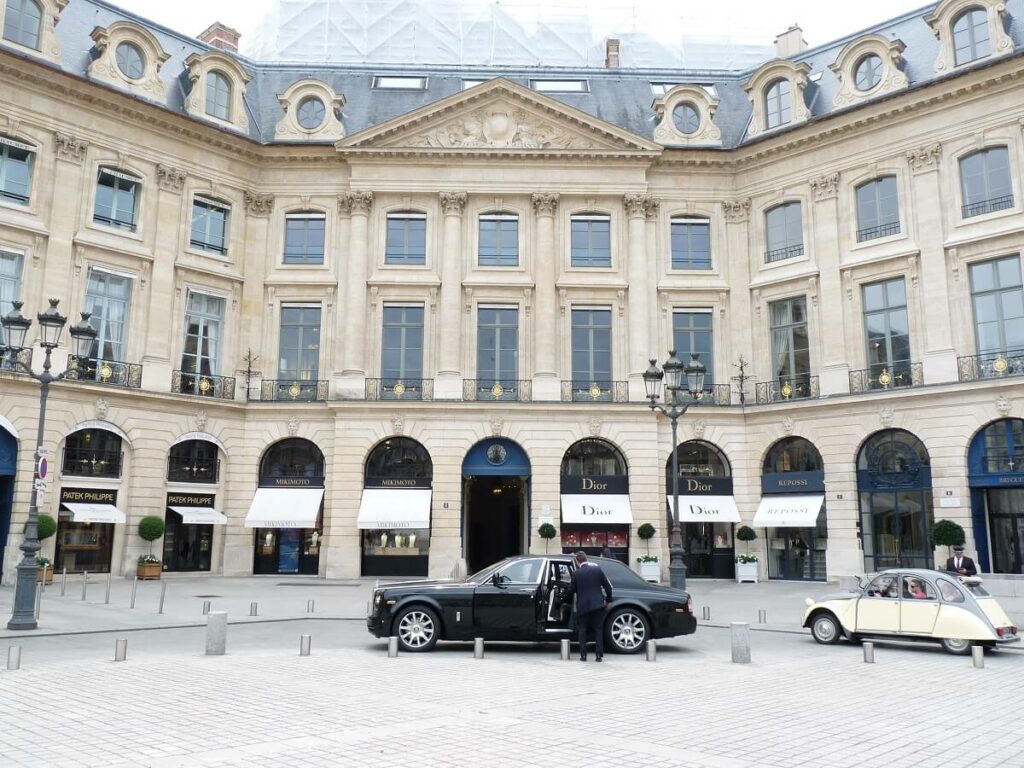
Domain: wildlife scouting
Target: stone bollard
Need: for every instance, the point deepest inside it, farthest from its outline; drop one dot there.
(39, 602)
(305, 643)
(310, 606)
(253, 609)
(106, 600)
(978, 657)
(135, 586)
(564, 649)
(652, 650)
(392, 647)
(14, 658)
(163, 594)
(63, 580)
(869, 653)
(706, 613)
(478, 647)
(120, 650)
(216, 633)
(42, 584)
(206, 607)
(85, 583)
(762, 616)
(740, 632)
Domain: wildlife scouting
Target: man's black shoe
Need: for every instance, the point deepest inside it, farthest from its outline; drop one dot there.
(598, 658)
(583, 658)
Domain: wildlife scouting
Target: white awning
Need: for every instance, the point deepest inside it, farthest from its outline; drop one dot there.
(94, 513)
(284, 508)
(200, 516)
(785, 511)
(399, 508)
(707, 509)
(600, 508)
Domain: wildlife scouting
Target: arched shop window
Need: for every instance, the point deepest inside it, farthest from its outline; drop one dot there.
(394, 511)
(595, 509)
(995, 464)
(92, 453)
(707, 510)
(792, 510)
(894, 483)
(292, 458)
(193, 461)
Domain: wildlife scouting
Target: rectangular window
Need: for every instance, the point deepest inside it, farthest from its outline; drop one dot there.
(560, 86)
(497, 347)
(887, 329)
(399, 83)
(471, 83)
(15, 170)
(204, 317)
(985, 182)
(998, 305)
(691, 244)
(692, 333)
(499, 240)
(107, 297)
(878, 209)
(10, 283)
(591, 241)
(406, 239)
(660, 89)
(784, 233)
(209, 225)
(299, 358)
(791, 356)
(402, 345)
(304, 238)
(591, 347)
(117, 199)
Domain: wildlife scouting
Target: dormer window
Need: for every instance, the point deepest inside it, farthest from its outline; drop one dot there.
(218, 89)
(23, 21)
(686, 118)
(399, 83)
(778, 104)
(560, 86)
(218, 96)
(969, 31)
(868, 72)
(311, 113)
(970, 36)
(776, 93)
(130, 61)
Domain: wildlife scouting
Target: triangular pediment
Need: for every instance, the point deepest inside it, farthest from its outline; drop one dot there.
(498, 116)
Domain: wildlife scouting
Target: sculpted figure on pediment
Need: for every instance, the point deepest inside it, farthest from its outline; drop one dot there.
(500, 128)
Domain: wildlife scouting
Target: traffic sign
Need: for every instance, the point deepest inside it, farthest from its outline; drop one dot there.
(40, 484)
(42, 467)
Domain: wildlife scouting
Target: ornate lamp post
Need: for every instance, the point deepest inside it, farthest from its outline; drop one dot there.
(678, 379)
(16, 327)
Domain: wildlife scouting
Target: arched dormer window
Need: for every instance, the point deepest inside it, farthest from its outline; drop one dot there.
(218, 89)
(130, 58)
(778, 104)
(969, 31)
(970, 36)
(685, 116)
(776, 92)
(867, 68)
(29, 25)
(311, 112)
(218, 96)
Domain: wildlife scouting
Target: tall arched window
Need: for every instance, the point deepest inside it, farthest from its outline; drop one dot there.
(985, 182)
(23, 23)
(778, 104)
(970, 36)
(293, 457)
(592, 458)
(218, 95)
(193, 461)
(792, 454)
(399, 457)
(92, 453)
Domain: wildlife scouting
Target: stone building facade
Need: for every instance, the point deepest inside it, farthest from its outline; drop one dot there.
(446, 284)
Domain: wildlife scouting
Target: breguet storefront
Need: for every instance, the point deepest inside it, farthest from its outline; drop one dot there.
(596, 513)
(85, 529)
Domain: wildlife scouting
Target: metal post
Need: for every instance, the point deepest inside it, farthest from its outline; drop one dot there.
(309, 606)
(305, 641)
(869, 652)
(253, 609)
(106, 600)
(740, 635)
(163, 594)
(564, 653)
(39, 603)
(121, 649)
(762, 616)
(652, 650)
(478, 647)
(85, 583)
(14, 658)
(206, 607)
(392, 647)
(676, 566)
(135, 585)
(978, 656)
(42, 585)
(706, 613)
(63, 580)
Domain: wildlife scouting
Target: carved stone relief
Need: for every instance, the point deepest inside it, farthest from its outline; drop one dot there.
(501, 126)
(102, 408)
(825, 187)
(170, 179)
(398, 425)
(69, 148)
(453, 203)
(257, 204)
(293, 426)
(925, 158)
(736, 210)
(545, 203)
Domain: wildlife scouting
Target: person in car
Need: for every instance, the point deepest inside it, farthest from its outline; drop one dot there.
(916, 589)
(593, 593)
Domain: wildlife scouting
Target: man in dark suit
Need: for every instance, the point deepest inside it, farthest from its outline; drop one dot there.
(593, 593)
(960, 565)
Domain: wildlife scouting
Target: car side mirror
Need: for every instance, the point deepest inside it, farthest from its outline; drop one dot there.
(496, 579)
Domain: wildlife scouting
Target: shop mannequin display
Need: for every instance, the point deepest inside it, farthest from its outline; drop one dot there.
(399, 540)
(412, 540)
(383, 540)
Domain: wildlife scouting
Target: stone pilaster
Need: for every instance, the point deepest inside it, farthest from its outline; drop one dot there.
(546, 385)
(448, 385)
(358, 205)
(637, 268)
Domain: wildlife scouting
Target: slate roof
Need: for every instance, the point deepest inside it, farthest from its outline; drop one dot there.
(620, 96)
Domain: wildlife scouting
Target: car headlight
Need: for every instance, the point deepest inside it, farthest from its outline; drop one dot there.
(377, 595)
(809, 602)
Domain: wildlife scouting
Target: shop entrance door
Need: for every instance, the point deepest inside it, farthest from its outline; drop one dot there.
(8, 456)
(795, 554)
(495, 525)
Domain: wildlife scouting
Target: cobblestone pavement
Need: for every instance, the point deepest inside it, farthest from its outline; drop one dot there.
(262, 705)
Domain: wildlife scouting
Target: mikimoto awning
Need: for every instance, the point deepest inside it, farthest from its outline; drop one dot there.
(707, 509)
(284, 508)
(200, 516)
(400, 508)
(785, 511)
(600, 508)
(94, 513)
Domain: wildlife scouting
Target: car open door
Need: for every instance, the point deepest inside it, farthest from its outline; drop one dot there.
(919, 606)
(878, 607)
(505, 607)
(556, 609)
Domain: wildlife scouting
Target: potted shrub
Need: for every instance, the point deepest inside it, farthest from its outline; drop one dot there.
(41, 562)
(648, 565)
(46, 527)
(946, 533)
(746, 563)
(151, 528)
(547, 532)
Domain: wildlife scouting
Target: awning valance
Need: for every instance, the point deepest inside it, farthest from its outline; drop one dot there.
(94, 513)
(200, 516)
(399, 508)
(284, 508)
(707, 509)
(788, 511)
(599, 508)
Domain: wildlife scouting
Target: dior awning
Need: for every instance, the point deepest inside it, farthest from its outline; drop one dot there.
(201, 516)
(284, 508)
(394, 508)
(94, 513)
(599, 508)
(788, 511)
(707, 509)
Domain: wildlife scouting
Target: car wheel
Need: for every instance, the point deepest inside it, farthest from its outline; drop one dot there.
(417, 628)
(627, 631)
(825, 629)
(956, 646)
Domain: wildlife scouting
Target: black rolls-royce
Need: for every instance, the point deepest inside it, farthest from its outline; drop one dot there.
(525, 598)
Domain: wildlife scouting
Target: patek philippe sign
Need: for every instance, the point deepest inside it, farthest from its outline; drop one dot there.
(291, 482)
(87, 496)
(702, 486)
(611, 484)
(189, 500)
(793, 482)
(397, 482)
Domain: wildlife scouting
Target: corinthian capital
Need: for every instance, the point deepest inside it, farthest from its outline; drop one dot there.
(259, 204)
(545, 203)
(453, 203)
(355, 202)
(636, 205)
(925, 158)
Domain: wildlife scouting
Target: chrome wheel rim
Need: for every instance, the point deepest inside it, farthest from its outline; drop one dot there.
(628, 631)
(416, 629)
(956, 644)
(824, 629)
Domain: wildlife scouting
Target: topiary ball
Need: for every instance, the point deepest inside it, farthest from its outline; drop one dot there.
(646, 531)
(45, 527)
(746, 533)
(151, 527)
(946, 533)
(547, 531)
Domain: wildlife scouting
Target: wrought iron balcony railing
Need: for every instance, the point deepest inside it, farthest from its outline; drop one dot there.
(203, 385)
(987, 206)
(879, 377)
(85, 462)
(290, 390)
(192, 469)
(585, 391)
(399, 389)
(110, 372)
(497, 390)
(882, 230)
(992, 365)
(802, 387)
(713, 394)
(781, 254)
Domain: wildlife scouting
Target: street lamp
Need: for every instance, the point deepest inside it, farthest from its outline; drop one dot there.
(16, 327)
(677, 379)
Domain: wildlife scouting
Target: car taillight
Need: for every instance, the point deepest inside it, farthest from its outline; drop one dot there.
(1006, 631)
(689, 604)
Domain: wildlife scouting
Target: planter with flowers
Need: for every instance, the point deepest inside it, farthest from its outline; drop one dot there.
(151, 528)
(648, 565)
(746, 563)
(46, 526)
(45, 566)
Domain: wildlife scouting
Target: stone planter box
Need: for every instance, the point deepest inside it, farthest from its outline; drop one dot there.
(746, 572)
(650, 572)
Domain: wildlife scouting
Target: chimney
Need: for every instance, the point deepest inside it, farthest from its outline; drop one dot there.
(221, 36)
(611, 53)
(790, 43)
